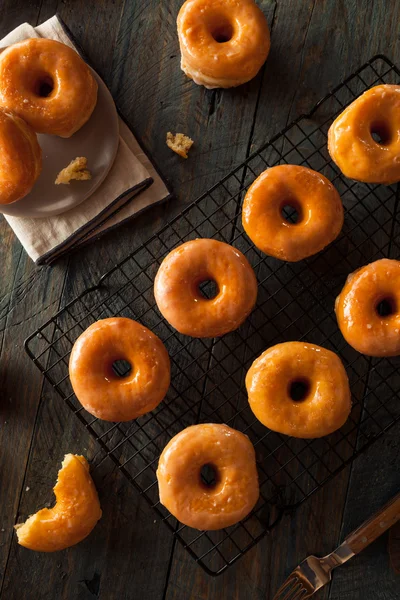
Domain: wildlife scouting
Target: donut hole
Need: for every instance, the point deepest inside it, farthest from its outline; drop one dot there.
(386, 307)
(221, 31)
(44, 86)
(380, 133)
(291, 212)
(299, 389)
(121, 368)
(208, 289)
(209, 475)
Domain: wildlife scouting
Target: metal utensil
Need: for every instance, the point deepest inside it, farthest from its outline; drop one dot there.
(313, 573)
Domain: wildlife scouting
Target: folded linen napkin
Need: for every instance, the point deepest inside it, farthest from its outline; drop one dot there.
(132, 185)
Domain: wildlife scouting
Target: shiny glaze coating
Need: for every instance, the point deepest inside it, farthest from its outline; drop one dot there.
(99, 389)
(72, 518)
(243, 49)
(350, 141)
(356, 309)
(176, 288)
(182, 490)
(20, 158)
(39, 66)
(327, 403)
(318, 204)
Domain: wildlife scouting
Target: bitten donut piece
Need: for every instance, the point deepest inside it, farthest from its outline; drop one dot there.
(314, 198)
(368, 309)
(20, 158)
(364, 140)
(299, 389)
(180, 300)
(99, 389)
(223, 43)
(234, 491)
(72, 518)
(48, 85)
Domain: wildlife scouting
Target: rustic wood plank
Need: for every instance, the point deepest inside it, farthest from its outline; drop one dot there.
(374, 480)
(13, 14)
(291, 85)
(128, 526)
(394, 548)
(28, 297)
(33, 298)
(314, 45)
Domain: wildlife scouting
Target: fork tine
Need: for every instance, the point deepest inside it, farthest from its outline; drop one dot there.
(293, 590)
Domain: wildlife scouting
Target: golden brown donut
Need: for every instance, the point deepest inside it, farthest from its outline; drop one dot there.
(350, 137)
(182, 490)
(368, 309)
(177, 293)
(72, 518)
(48, 85)
(299, 389)
(318, 205)
(20, 158)
(223, 43)
(103, 393)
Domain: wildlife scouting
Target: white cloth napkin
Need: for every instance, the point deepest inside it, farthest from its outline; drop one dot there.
(132, 184)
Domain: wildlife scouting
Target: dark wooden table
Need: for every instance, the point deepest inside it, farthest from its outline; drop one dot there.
(130, 554)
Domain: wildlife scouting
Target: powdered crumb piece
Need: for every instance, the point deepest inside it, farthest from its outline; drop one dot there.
(77, 169)
(179, 143)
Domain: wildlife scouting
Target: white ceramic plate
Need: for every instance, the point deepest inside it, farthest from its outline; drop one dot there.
(97, 140)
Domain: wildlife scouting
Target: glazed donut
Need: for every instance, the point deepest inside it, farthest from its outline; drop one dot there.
(178, 296)
(103, 393)
(74, 515)
(318, 206)
(20, 158)
(231, 456)
(223, 43)
(299, 389)
(350, 137)
(48, 85)
(368, 309)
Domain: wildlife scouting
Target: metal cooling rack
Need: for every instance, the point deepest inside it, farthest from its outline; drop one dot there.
(295, 302)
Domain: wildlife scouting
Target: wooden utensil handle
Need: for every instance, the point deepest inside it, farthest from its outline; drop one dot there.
(375, 526)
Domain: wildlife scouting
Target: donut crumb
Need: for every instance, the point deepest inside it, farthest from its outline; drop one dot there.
(179, 143)
(77, 169)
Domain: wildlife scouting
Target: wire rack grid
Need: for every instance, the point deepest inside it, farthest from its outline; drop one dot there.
(295, 302)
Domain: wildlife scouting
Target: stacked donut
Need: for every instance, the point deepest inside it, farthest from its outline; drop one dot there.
(224, 43)
(45, 87)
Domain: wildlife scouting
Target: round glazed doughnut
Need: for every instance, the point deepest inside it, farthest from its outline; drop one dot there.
(351, 141)
(231, 456)
(20, 158)
(299, 389)
(72, 518)
(368, 309)
(223, 43)
(178, 296)
(318, 206)
(48, 85)
(103, 393)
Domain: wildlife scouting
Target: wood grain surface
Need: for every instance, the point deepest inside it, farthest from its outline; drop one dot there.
(130, 554)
